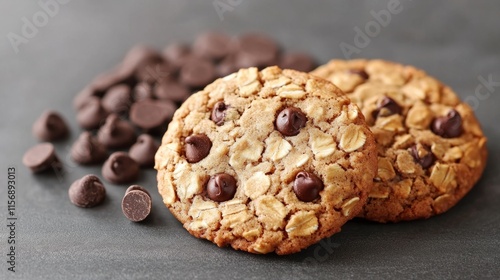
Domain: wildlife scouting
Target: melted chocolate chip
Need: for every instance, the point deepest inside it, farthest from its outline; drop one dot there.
(221, 187)
(219, 113)
(424, 157)
(197, 147)
(386, 107)
(290, 121)
(307, 186)
(360, 72)
(449, 126)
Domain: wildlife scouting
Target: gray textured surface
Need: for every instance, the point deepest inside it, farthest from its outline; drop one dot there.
(457, 42)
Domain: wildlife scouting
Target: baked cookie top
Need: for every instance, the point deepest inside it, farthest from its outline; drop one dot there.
(266, 161)
(431, 150)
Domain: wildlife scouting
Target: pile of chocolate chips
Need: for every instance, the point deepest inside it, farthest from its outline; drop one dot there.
(140, 96)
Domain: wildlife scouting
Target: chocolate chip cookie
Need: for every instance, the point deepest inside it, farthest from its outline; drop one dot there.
(431, 149)
(269, 161)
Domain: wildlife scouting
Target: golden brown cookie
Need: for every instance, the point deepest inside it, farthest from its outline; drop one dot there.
(431, 150)
(266, 161)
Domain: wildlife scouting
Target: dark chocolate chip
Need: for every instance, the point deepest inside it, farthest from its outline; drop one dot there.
(151, 114)
(144, 150)
(120, 168)
(136, 204)
(212, 45)
(360, 72)
(449, 126)
(297, 61)
(171, 90)
(219, 113)
(116, 133)
(307, 186)
(142, 91)
(290, 121)
(87, 192)
(177, 54)
(87, 150)
(50, 126)
(197, 72)
(84, 96)
(386, 107)
(423, 155)
(226, 66)
(221, 187)
(139, 61)
(117, 99)
(92, 114)
(154, 71)
(105, 81)
(197, 147)
(256, 50)
(42, 157)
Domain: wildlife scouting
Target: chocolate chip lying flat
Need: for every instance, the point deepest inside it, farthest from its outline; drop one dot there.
(360, 72)
(307, 186)
(197, 72)
(386, 107)
(290, 121)
(197, 147)
(256, 50)
(50, 126)
(116, 133)
(212, 45)
(92, 114)
(117, 99)
(151, 114)
(136, 203)
(87, 192)
(297, 61)
(219, 113)
(221, 187)
(423, 155)
(41, 157)
(449, 126)
(171, 90)
(87, 150)
(144, 150)
(120, 168)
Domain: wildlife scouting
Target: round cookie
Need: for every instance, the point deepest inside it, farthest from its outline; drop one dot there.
(266, 161)
(431, 150)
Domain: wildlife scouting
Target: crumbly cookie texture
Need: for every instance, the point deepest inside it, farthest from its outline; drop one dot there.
(431, 149)
(289, 159)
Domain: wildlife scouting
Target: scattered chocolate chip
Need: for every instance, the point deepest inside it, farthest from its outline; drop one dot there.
(297, 61)
(307, 186)
(138, 61)
(117, 99)
(87, 150)
(142, 91)
(92, 114)
(221, 187)
(177, 54)
(144, 150)
(120, 168)
(50, 126)
(360, 72)
(256, 50)
(290, 121)
(41, 157)
(151, 114)
(171, 90)
(219, 113)
(108, 79)
(212, 45)
(197, 147)
(423, 155)
(197, 72)
(386, 107)
(449, 126)
(87, 192)
(136, 203)
(83, 97)
(116, 133)
(154, 71)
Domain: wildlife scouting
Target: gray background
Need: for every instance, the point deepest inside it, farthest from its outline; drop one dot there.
(456, 41)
